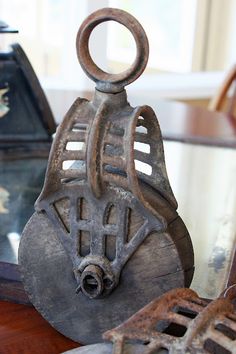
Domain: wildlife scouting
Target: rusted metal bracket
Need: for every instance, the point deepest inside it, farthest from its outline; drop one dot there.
(180, 322)
(177, 322)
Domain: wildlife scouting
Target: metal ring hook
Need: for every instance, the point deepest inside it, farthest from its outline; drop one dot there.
(105, 82)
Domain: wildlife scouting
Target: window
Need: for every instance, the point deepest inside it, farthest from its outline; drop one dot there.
(184, 36)
(170, 27)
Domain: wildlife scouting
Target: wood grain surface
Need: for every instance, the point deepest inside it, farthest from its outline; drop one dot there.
(196, 125)
(24, 331)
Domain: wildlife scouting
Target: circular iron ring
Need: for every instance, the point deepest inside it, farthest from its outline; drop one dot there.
(105, 82)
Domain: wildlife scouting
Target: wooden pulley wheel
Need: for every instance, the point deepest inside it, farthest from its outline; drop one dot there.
(105, 238)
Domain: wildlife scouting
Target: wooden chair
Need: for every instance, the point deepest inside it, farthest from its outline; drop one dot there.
(232, 273)
(218, 102)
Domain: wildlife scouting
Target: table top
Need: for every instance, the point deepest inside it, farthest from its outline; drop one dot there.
(187, 123)
(196, 124)
(23, 331)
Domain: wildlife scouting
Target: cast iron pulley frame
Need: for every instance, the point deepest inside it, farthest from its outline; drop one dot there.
(107, 129)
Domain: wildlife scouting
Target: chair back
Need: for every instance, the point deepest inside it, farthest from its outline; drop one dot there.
(218, 103)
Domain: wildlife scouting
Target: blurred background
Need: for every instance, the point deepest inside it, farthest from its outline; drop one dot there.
(192, 45)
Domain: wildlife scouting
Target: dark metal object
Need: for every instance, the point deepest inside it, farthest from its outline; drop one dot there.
(106, 237)
(26, 128)
(177, 322)
(180, 322)
(26, 120)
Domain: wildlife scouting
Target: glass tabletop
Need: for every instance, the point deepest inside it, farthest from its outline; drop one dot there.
(20, 184)
(203, 181)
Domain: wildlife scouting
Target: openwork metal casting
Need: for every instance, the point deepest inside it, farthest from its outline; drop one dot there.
(177, 322)
(180, 322)
(106, 237)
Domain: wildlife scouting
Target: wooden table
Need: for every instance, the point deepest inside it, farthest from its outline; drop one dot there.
(24, 331)
(195, 125)
(191, 124)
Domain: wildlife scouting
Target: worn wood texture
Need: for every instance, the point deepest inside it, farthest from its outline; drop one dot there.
(157, 266)
(13, 291)
(194, 125)
(24, 331)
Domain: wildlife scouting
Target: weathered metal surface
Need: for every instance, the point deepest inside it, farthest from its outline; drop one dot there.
(180, 322)
(105, 238)
(177, 322)
(105, 82)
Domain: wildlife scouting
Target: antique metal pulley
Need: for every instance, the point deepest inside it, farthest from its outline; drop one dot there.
(105, 238)
(178, 322)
